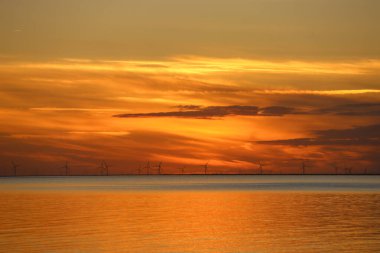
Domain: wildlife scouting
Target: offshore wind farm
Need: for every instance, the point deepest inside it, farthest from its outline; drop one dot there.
(205, 169)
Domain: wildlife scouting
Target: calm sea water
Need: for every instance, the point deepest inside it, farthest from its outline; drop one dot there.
(190, 214)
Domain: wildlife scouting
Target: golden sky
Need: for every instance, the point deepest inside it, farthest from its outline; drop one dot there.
(231, 83)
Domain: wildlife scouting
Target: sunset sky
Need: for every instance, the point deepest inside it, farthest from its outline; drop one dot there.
(231, 83)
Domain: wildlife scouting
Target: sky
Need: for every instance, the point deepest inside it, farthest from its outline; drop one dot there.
(234, 84)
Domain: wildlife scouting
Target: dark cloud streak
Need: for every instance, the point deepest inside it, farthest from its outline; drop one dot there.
(202, 113)
(215, 111)
(358, 136)
(198, 112)
(359, 109)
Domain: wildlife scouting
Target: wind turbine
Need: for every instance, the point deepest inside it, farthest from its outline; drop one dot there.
(206, 167)
(67, 168)
(159, 167)
(103, 167)
(14, 167)
(139, 169)
(304, 167)
(348, 170)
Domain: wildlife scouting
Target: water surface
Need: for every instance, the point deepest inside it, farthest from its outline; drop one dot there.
(190, 214)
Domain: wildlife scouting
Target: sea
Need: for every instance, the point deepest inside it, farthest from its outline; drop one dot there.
(190, 213)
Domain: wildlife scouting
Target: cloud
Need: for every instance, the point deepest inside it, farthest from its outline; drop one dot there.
(205, 113)
(110, 133)
(277, 111)
(359, 109)
(73, 109)
(317, 92)
(188, 107)
(358, 136)
(196, 111)
(204, 65)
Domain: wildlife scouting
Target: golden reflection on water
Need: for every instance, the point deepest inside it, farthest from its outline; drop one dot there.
(189, 221)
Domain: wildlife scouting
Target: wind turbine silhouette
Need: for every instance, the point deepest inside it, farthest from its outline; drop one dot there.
(159, 167)
(304, 167)
(66, 167)
(14, 167)
(139, 169)
(206, 167)
(103, 168)
(348, 170)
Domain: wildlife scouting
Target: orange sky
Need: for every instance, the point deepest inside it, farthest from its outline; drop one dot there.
(186, 84)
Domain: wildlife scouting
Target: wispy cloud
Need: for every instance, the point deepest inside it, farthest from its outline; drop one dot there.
(316, 92)
(203, 65)
(74, 109)
(362, 135)
(110, 133)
